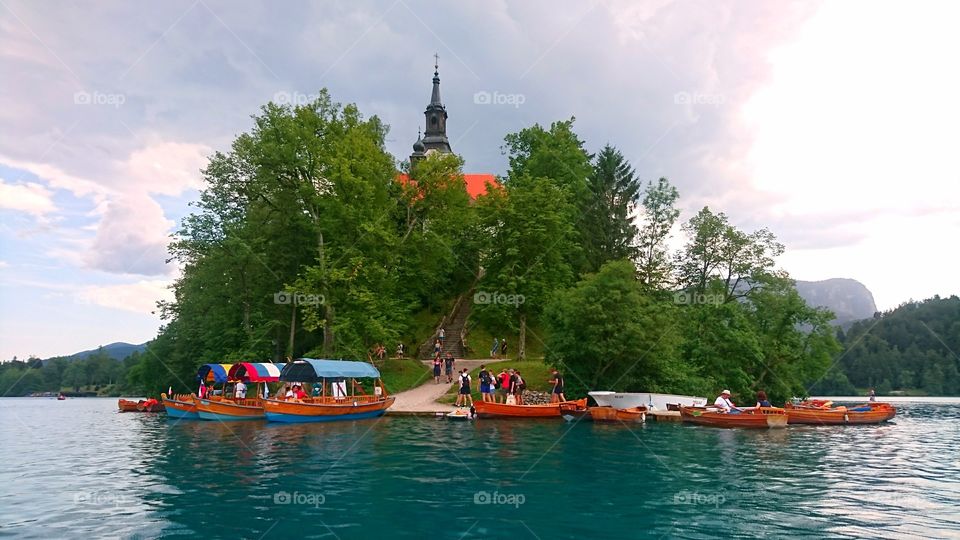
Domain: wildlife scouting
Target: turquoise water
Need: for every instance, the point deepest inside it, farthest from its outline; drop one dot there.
(77, 468)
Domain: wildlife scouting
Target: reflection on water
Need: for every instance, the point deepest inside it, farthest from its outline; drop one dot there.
(79, 469)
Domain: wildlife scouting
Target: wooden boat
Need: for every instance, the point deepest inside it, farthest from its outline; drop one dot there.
(180, 406)
(609, 414)
(328, 408)
(823, 413)
(227, 408)
(762, 417)
(486, 409)
(143, 405)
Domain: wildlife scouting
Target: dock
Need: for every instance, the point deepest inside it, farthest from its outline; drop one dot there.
(664, 416)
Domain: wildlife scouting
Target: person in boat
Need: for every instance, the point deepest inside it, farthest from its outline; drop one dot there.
(240, 390)
(436, 369)
(298, 393)
(485, 381)
(724, 403)
(518, 387)
(557, 382)
(289, 395)
(463, 396)
(762, 400)
(503, 388)
(448, 367)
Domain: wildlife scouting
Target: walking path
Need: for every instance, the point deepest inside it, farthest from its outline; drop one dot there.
(423, 399)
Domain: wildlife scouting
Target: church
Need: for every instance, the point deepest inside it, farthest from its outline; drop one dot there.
(434, 140)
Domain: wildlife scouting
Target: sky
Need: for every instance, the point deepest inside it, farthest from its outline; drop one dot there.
(833, 124)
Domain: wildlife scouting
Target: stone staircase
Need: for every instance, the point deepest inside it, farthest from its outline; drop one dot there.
(454, 327)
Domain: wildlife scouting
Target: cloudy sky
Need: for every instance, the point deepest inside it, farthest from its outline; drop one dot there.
(833, 124)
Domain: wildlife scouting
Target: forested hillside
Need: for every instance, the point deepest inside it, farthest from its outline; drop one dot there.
(912, 348)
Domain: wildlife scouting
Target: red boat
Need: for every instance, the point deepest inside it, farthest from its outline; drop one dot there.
(144, 405)
(823, 413)
(761, 417)
(486, 409)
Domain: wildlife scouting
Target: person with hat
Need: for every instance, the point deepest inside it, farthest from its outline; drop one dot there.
(723, 402)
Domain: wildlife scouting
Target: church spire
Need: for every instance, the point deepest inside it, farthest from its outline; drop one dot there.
(435, 135)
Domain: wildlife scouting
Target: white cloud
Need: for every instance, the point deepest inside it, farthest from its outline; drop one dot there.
(131, 238)
(139, 297)
(28, 197)
(166, 168)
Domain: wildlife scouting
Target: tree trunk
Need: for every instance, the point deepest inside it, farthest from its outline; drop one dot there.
(328, 330)
(522, 345)
(293, 328)
(328, 336)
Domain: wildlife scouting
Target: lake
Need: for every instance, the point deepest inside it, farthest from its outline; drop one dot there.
(77, 468)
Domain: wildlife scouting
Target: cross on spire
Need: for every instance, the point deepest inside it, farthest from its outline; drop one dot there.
(436, 61)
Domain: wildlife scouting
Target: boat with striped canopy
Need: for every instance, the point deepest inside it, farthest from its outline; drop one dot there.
(228, 407)
(184, 406)
(340, 404)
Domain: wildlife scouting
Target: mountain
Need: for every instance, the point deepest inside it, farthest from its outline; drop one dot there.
(848, 299)
(117, 351)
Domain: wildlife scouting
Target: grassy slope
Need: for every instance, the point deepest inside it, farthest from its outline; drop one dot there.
(400, 375)
(534, 372)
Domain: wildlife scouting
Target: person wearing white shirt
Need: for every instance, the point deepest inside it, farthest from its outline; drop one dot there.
(723, 402)
(240, 391)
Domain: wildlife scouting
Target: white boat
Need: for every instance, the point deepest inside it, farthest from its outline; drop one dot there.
(627, 400)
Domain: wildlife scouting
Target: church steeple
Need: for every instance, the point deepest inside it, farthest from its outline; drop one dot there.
(435, 135)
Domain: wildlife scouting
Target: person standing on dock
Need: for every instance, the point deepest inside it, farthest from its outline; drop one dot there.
(486, 384)
(463, 395)
(557, 394)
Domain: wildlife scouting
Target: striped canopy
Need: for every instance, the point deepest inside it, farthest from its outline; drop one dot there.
(255, 372)
(217, 373)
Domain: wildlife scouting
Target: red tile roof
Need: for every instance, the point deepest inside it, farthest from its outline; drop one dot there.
(476, 183)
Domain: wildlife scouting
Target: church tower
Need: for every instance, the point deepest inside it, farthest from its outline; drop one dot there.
(434, 138)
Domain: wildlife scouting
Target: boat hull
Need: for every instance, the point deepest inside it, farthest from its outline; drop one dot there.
(179, 407)
(609, 414)
(226, 410)
(296, 412)
(838, 416)
(126, 405)
(486, 409)
(630, 400)
(764, 418)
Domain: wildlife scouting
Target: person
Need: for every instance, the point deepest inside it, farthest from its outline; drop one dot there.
(298, 393)
(400, 350)
(290, 395)
(494, 348)
(486, 384)
(436, 369)
(240, 390)
(317, 389)
(557, 381)
(723, 402)
(448, 367)
(762, 400)
(504, 388)
(503, 347)
(517, 386)
(437, 347)
(442, 336)
(873, 395)
(202, 391)
(463, 396)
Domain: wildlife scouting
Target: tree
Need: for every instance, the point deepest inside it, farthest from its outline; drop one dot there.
(530, 243)
(609, 231)
(606, 332)
(654, 267)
